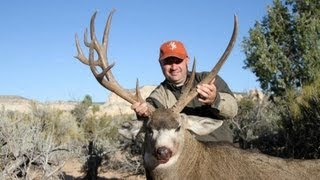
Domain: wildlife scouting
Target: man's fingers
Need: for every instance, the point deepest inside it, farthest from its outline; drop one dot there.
(202, 99)
(140, 108)
(203, 92)
(208, 87)
(207, 93)
(135, 105)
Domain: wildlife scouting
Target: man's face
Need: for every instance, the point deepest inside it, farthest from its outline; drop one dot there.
(175, 69)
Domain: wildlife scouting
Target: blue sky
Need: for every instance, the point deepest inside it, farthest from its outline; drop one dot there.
(37, 42)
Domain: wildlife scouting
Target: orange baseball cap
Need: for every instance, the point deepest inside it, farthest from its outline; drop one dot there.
(172, 48)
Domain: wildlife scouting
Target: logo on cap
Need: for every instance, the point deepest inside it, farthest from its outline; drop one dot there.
(172, 45)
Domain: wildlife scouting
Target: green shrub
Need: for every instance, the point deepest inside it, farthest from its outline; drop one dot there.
(288, 127)
(301, 122)
(254, 119)
(80, 110)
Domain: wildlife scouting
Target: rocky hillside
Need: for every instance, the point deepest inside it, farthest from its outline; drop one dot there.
(15, 103)
(21, 104)
(113, 106)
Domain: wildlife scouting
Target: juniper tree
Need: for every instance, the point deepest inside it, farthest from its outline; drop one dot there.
(283, 49)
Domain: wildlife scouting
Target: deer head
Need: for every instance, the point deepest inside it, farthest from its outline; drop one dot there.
(165, 127)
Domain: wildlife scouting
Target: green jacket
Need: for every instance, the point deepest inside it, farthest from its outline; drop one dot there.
(224, 107)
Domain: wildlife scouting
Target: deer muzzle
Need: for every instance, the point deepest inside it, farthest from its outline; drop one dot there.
(163, 154)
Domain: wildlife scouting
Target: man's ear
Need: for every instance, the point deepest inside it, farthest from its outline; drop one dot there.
(186, 60)
(201, 125)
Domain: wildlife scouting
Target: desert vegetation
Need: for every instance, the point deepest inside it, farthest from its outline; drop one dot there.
(287, 127)
(38, 144)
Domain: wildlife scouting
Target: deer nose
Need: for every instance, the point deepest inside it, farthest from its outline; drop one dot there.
(163, 154)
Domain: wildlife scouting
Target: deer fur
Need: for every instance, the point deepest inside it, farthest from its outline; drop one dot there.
(192, 159)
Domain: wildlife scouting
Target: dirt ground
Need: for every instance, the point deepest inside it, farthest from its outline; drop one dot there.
(72, 171)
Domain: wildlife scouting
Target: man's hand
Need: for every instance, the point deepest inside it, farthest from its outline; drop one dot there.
(207, 93)
(141, 109)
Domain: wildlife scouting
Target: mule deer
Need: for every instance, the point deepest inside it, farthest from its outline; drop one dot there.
(171, 150)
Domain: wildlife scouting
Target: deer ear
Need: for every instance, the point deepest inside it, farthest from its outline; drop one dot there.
(201, 125)
(131, 129)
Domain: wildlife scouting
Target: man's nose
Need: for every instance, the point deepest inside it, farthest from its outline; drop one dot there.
(174, 66)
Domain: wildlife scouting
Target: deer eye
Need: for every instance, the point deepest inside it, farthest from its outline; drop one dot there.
(178, 129)
(150, 132)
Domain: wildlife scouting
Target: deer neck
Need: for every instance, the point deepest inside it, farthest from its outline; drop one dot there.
(191, 153)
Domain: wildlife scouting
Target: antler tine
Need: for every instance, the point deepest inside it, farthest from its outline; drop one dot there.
(106, 31)
(95, 44)
(85, 39)
(187, 88)
(80, 56)
(183, 101)
(105, 77)
(101, 49)
(191, 79)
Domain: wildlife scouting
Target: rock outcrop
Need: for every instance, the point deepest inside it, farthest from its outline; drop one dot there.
(116, 105)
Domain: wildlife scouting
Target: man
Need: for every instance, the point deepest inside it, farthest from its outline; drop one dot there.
(215, 100)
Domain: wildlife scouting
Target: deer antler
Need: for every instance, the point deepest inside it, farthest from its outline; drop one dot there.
(188, 94)
(105, 77)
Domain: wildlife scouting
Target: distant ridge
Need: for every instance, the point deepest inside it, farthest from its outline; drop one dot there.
(22, 104)
(114, 105)
(12, 97)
